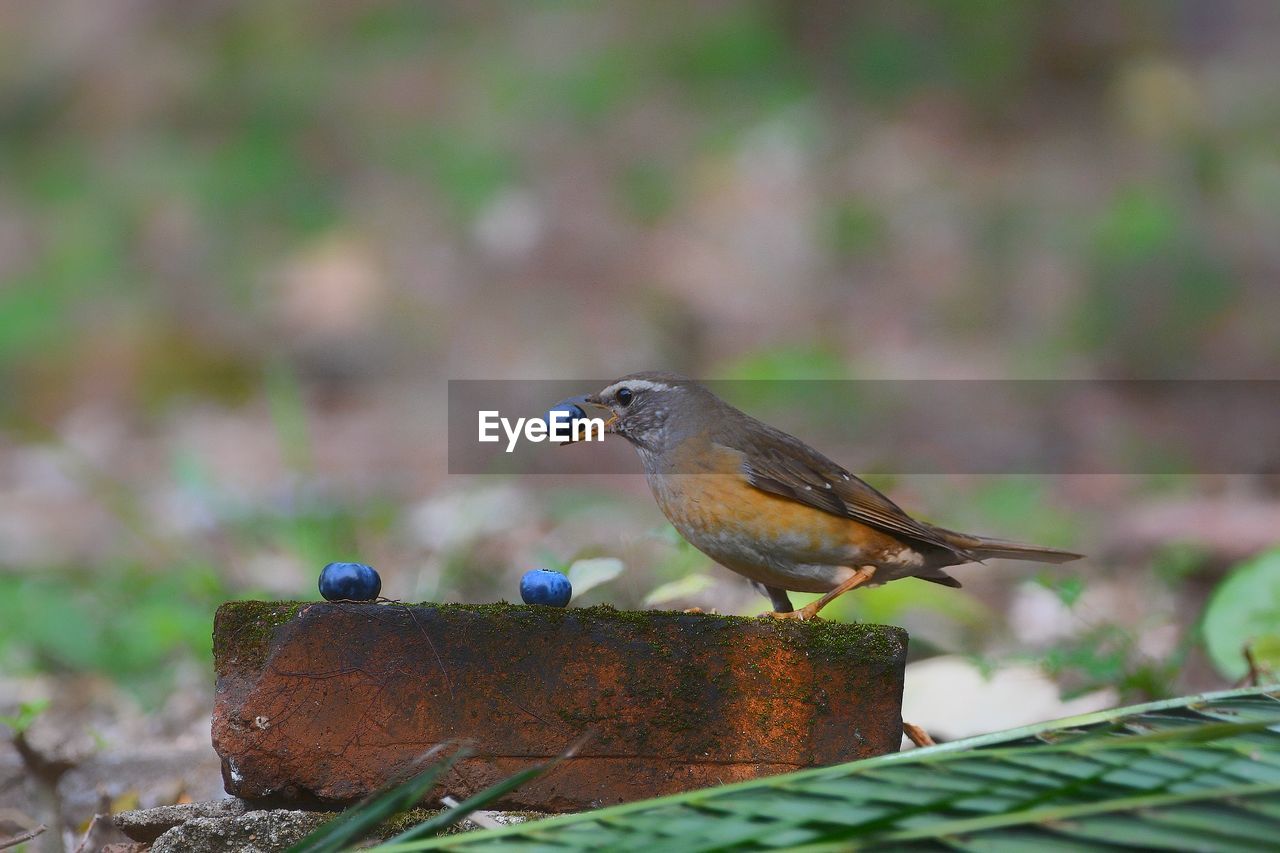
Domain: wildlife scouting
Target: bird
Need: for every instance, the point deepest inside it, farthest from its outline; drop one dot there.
(766, 505)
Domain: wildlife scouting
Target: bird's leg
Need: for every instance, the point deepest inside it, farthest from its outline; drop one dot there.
(810, 611)
(782, 606)
(917, 735)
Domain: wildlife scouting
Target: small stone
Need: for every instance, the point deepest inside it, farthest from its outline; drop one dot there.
(147, 825)
(264, 831)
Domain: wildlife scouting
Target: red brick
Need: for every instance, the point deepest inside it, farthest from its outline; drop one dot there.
(323, 703)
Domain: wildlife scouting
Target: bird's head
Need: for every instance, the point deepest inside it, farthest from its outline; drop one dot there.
(654, 411)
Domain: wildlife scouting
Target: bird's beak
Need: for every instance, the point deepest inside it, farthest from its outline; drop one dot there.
(610, 420)
(578, 404)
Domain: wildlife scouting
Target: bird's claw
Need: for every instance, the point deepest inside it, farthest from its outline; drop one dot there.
(801, 615)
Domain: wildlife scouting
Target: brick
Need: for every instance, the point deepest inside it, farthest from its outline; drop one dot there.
(320, 704)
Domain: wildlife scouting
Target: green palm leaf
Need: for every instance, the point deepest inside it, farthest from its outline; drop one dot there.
(352, 825)
(1199, 773)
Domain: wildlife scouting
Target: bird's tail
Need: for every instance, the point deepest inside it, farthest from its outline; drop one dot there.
(983, 548)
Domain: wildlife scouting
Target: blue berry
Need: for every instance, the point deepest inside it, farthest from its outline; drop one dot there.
(349, 582)
(543, 586)
(561, 417)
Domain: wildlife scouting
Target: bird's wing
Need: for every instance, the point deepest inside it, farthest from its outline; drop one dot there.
(782, 465)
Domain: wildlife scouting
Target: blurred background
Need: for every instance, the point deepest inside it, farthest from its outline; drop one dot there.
(243, 247)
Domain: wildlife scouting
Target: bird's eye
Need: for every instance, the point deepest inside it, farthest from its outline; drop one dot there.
(625, 396)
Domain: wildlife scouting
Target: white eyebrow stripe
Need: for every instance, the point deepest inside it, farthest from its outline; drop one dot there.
(635, 385)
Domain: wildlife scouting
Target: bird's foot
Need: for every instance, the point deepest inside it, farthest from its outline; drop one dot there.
(804, 614)
(917, 735)
(809, 613)
(711, 612)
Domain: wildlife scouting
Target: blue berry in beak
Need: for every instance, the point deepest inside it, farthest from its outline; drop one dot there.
(349, 582)
(543, 586)
(561, 417)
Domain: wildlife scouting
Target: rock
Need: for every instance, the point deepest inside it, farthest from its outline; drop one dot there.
(265, 831)
(226, 825)
(320, 704)
(149, 824)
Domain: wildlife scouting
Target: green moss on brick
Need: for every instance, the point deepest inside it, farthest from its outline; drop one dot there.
(245, 627)
(837, 639)
(242, 630)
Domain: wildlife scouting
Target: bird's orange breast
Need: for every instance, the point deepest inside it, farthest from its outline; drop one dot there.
(721, 513)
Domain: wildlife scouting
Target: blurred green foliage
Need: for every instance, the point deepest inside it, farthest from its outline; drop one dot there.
(290, 116)
(1151, 262)
(1241, 625)
(28, 713)
(124, 622)
(1108, 655)
(984, 50)
(647, 191)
